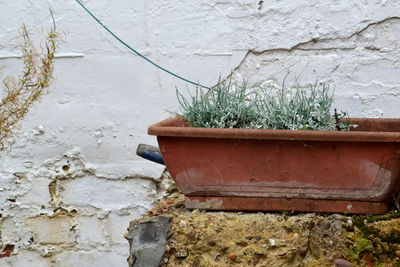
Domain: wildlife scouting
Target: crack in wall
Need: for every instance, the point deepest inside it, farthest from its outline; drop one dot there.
(314, 41)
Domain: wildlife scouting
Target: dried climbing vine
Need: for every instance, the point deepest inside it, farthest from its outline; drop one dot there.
(20, 93)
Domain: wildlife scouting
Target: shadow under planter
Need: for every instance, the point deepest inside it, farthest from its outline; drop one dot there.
(353, 171)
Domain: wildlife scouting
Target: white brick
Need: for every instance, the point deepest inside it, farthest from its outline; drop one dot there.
(90, 259)
(90, 230)
(25, 258)
(13, 231)
(8, 231)
(38, 193)
(117, 226)
(52, 230)
(107, 194)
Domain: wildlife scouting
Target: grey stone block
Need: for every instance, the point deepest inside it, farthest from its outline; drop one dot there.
(147, 239)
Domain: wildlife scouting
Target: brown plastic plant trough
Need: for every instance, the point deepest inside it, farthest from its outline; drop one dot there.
(353, 171)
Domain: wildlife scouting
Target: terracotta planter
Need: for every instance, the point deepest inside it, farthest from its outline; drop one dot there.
(313, 171)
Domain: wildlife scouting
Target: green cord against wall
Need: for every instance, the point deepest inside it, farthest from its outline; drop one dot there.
(136, 52)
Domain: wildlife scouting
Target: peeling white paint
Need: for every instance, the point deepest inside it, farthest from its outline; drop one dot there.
(79, 143)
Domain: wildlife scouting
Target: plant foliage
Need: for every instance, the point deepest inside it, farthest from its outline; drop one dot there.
(225, 106)
(229, 105)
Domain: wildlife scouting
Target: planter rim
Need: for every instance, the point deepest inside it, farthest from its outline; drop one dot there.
(175, 127)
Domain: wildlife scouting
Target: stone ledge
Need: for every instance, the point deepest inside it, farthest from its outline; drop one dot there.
(199, 238)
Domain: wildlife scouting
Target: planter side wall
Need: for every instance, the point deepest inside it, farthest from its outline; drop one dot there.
(358, 167)
(274, 168)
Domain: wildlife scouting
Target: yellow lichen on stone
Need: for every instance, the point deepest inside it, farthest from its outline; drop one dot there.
(199, 238)
(387, 227)
(239, 239)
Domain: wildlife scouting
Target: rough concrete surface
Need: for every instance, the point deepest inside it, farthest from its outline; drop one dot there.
(73, 165)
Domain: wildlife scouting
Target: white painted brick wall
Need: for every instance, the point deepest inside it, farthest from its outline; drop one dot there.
(26, 258)
(117, 227)
(104, 98)
(90, 230)
(106, 194)
(52, 230)
(89, 259)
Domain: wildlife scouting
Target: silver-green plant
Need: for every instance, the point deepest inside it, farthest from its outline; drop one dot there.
(229, 105)
(226, 105)
(300, 109)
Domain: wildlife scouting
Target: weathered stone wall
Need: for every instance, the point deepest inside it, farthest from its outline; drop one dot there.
(202, 239)
(72, 181)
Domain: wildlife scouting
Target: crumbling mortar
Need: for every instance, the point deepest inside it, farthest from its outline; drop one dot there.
(72, 166)
(55, 209)
(50, 250)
